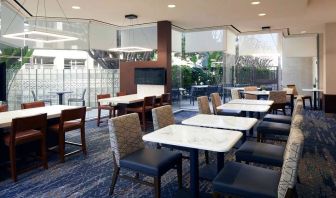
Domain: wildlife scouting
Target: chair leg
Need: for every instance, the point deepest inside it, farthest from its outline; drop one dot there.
(310, 102)
(82, 131)
(284, 110)
(157, 186)
(114, 179)
(258, 137)
(12, 153)
(304, 103)
(61, 146)
(144, 120)
(44, 153)
(110, 113)
(179, 173)
(83, 103)
(206, 153)
(98, 119)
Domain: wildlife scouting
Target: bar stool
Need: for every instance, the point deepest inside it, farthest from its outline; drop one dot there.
(30, 105)
(25, 130)
(108, 107)
(147, 106)
(121, 93)
(71, 119)
(3, 108)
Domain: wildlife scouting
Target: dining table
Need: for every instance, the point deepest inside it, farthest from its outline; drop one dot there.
(315, 92)
(251, 102)
(193, 139)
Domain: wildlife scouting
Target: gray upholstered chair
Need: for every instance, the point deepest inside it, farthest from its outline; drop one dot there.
(244, 180)
(81, 99)
(203, 105)
(128, 151)
(43, 100)
(268, 154)
(277, 125)
(216, 102)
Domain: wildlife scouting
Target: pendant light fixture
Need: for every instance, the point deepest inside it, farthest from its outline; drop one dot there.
(131, 49)
(39, 35)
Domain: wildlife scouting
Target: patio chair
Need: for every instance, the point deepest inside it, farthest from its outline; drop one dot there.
(129, 152)
(44, 100)
(81, 99)
(175, 95)
(249, 96)
(304, 97)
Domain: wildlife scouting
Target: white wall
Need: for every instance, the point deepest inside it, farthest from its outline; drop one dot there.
(176, 41)
(303, 46)
(231, 42)
(203, 41)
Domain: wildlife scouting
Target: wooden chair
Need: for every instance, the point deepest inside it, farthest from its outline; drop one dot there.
(164, 100)
(147, 106)
(304, 97)
(129, 152)
(3, 108)
(31, 105)
(120, 93)
(71, 119)
(280, 101)
(24, 130)
(108, 107)
(249, 96)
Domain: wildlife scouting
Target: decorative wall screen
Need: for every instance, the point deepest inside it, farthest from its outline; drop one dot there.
(46, 81)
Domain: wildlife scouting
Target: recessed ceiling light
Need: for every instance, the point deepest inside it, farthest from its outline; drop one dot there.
(303, 32)
(262, 14)
(171, 6)
(75, 7)
(255, 2)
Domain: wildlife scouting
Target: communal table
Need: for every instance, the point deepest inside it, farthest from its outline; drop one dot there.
(52, 112)
(123, 101)
(194, 139)
(251, 102)
(60, 95)
(315, 91)
(220, 122)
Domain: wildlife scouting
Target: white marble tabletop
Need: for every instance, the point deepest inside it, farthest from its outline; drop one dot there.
(244, 107)
(217, 140)
(257, 92)
(251, 102)
(313, 89)
(221, 122)
(128, 99)
(52, 112)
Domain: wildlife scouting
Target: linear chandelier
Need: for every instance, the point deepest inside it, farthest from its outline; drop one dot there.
(131, 49)
(39, 36)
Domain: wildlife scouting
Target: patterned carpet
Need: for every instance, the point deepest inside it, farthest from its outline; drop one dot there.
(91, 176)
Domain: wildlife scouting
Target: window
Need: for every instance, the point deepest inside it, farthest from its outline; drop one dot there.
(74, 63)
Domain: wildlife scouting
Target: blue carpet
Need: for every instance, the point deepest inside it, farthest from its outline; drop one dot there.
(91, 176)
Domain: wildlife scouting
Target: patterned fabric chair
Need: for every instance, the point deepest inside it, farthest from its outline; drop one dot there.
(235, 94)
(280, 101)
(216, 102)
(244, 180)
(249, 96)
(128, 151)
(162, 117)
(268, 154)
(203, 105)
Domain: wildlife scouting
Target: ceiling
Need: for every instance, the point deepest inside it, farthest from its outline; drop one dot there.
(297, 15)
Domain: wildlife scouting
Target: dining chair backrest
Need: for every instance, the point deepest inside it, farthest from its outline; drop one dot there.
(23, 124)
(83, 94)
(165, 99)
(121, 93)
(216, 101)
(73, 114)
(292, 86)
(290, 165)
(34, 95)
(203, 105)
(279, 97)
(249, 96)
(163, 116)
(31, 105)
(3, 108)
(149, 101)
(102, 96)
(235, 94)
(125, 135)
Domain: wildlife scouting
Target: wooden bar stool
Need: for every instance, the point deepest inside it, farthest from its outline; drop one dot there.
(25, 130)
(31, 105)
(70, 120)
(108, 107)
(147, 106)
(3, 108)
(121, 93)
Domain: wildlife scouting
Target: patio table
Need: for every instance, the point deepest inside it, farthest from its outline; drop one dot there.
(60, 95)
(315, 91)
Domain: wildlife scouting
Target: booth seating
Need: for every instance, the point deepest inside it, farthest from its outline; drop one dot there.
(268, 154)
(243, 180)
(271, 128)
(129, 152)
